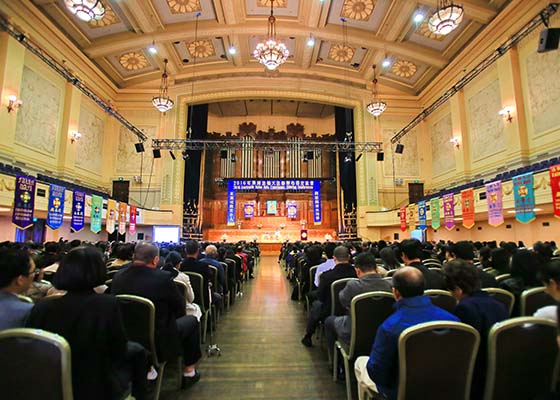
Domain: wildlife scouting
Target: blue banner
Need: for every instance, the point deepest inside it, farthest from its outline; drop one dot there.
(422, 214)
(249, 210)
(78, 206)
(24, 202)
(272, 184)
(317, 214)
(231, 204)
(524, 198)
(55, 212)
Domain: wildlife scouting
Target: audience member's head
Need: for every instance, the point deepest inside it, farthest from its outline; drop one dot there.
(81, 269)
(365, 264)
(341, 254)
(524, 266)
(192, 248)
(461, 278)
(500, 260)
(387, 254)
(411, 250)
(549, 275)
(146, 253)
(17, 269)
(463, 250)
(408, 282)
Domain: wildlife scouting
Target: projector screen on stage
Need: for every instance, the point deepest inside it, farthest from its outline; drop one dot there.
(271, 207)
(166, 234)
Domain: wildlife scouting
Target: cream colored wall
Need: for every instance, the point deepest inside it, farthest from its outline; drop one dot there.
(277, 122)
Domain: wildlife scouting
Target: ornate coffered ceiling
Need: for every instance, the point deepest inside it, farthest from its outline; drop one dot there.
(350, 36)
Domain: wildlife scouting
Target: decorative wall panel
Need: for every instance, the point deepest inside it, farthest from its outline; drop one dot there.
(406, 164)
(443, 159)
(38, 118)
(128, 160)
(89, 151)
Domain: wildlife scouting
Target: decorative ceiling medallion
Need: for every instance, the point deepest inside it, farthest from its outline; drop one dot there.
(277, 3)
(341, 53)
(404, 68)
(201, 49)
(133, 61)
(184, 6)
(359, 10)
(110, 18)
(425, 31)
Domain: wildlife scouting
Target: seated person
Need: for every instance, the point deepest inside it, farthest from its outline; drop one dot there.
(17, 271)
(102, 360)
(477, 309)
(379, 371)
(369, 281)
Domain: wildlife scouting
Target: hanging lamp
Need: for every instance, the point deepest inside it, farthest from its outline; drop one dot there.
(447, 17)
(270, 52)
(162, 102)
(376, 107)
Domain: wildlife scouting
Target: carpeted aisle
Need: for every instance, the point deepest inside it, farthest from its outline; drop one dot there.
(262, 357)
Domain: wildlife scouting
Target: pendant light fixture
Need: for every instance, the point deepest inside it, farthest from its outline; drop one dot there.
(162, 102)
(376, 107)
(86, 10)
(447, 17)
(270, 52)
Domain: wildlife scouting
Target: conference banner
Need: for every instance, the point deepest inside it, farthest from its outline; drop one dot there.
(292, 209)
(231, 204)
(122, 217)
(249, 210)
(435, 211)
(449, 211)
(555, 186)
(132, 219)
(96, 213)
(78, 221)
(422, 214)
(402, 215)
(24, 202)
(111, 218)
(317, 212)
(55, 210)
(467, 204)
(411, 216)
(495, 205)
(524, 198)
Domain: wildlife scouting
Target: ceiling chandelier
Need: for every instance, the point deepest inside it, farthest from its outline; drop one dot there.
(270, 52)
(162, 102)
(86, 10)
(376, 107)
(447, 17)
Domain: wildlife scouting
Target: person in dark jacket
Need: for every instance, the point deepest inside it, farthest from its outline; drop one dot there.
(102, 360)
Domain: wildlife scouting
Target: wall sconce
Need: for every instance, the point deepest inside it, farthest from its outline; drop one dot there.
(13, 103)
(506, 113)
(456, 141)
(75, 136)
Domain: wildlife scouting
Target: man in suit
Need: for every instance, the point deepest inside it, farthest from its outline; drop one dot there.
(174, 329)
(411, 250)
(369, 281)
(192, 264)
(321, 307)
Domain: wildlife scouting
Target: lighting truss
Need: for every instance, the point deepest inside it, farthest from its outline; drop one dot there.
(267, 145)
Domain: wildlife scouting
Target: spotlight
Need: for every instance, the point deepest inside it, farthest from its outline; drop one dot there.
(399, 149)
(157, 153)
(139, 147)
(380, 156)
(359, 156)
(232, 50)
(152, 49)
(418, 17)
(310, 41)
(172, 154)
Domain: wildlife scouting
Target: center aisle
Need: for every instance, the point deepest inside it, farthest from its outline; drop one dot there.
(262, 357)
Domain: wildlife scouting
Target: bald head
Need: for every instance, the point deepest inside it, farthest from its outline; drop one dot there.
(146, 252)
(211, 251)
(409, 282)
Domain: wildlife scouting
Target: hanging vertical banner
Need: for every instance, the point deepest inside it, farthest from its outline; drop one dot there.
(555, 187)
(411, 209)
(24, 202)
(449, 210)
(402, 215)
(524, 197)
(78, 206)
(231, 204)
(249, 210)
(96, 213)
(132, 219)
(494, 201)
(467, 204)
(434, 208)
(111, 218)
(292, 208)
(55, 211)
(122, 217)
(422, 214)
(317, 212)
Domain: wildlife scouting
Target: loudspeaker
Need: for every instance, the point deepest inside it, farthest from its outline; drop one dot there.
(399, 149)
(548, 40)
(139, 147)
(380, 156)
(310, 155)
(223, 154)
(157, 153)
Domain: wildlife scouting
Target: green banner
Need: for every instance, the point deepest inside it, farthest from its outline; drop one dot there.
(434, 207)
(96, 213)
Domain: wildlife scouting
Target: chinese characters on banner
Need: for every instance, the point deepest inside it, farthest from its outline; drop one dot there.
(24, 202)
(555, 187)
(434, 208)
(122, 218)
(524, 198)
(422, 214)
(96, 213)
(132, 219)
(449, 211)
(55, 211)
(78, 207)
(467, 204)
(111, 219)
(402, 215)
(494, 201)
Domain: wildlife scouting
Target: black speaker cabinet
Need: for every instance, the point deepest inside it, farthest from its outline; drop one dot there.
(549, 39)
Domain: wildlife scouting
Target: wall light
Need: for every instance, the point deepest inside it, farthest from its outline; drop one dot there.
(75, 136)
(506, 113)
(456, 141)
(13, 103)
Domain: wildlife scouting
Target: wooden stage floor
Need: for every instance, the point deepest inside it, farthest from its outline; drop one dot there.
(262, 357)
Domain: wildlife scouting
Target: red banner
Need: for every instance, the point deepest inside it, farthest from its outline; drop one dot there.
(467, 202)
(555, 187)
(132, 219)
(403, 218)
